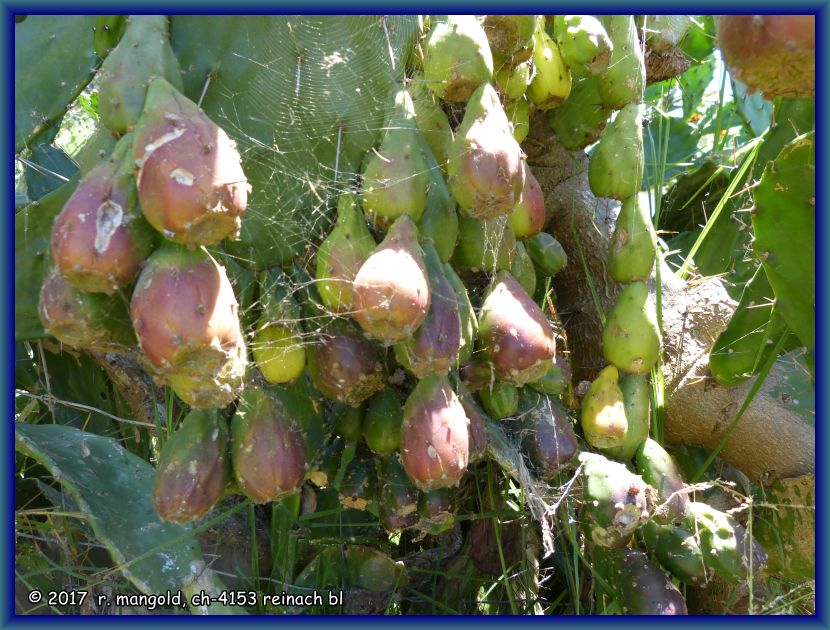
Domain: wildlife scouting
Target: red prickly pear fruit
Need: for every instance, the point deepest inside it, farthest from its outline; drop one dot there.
(185, 316)
(775, 54)
(391, 290)
(267, 448)
(485, 171)
(514, 334)
(398, 498)
(434, 347)
(639, 586)
(190, 181)
(547, 436)
(143, 53)
(434, 435)
(194, 468)
(91, 321)
(477, 427)
(100, 239)
(341, 255)
(344, 365)
(528, 216)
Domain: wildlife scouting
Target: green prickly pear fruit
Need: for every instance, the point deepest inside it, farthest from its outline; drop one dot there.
(528, 215)
(433, 348)
(143, 53)
(457, 57)
(727, 547)
(514, 335)
(100, 238)
(639, 586)
(466, 315)
(345, 366)
(440, 219)
(91, 321)
(360, 481)
(546, 253)
(485, 171)
(616, 165)
(615, 502)
(512, 81)
(278, 347)
(518, 115)
(395, 176)
(347, 421)
(476, 375)
(434, 435)
(191, 186)
(581, 119)
(478, 423)
(398, 498)
(509, 34)
(436, 510)
(267, 448)
(678, 550)
(341, 255)
(523, 270)
(556, 380)
(500, 400)
(328, 463)
(391, 290)
(487, 245)
(624, 79)
(603, 411)
(585, 46)
(431, 121)
(631, 337)
(633, 247)
(382, 422)
(194, 468)
(635, 391)
(551, 82)
(185, 313)
(547, 436)
(658, 469)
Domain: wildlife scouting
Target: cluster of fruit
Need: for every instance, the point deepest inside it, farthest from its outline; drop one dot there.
(420, 320)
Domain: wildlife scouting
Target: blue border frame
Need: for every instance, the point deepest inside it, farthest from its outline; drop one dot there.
(820, 9)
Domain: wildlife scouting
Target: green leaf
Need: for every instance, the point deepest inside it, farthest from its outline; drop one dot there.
(32, 257)
(754, 108)
(48, 169)
(113, 489)
(744, 346)
(784, 219)
(699, 42)
(53, 62)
